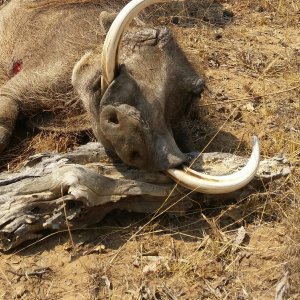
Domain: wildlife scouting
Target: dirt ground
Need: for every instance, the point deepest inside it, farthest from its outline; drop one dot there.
(225, 250)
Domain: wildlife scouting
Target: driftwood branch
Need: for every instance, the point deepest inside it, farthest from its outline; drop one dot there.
(84, 185)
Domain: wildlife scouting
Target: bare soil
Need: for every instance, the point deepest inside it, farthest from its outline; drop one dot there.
(225, 250)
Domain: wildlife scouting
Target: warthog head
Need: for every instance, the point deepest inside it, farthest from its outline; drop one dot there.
(140, 109)
(147, 84)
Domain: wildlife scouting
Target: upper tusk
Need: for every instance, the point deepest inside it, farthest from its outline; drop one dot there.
(114, 36)
(210, 184)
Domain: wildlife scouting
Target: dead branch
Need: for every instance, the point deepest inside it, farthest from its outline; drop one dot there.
(87, 184)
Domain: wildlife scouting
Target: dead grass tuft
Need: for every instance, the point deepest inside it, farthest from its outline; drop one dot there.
(44, 141)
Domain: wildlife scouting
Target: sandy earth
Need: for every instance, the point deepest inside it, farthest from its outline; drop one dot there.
(253, 86)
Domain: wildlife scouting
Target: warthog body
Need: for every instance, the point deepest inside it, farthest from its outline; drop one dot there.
(141, 111)
(136, 92)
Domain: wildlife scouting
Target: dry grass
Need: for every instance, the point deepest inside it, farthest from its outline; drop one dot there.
(252, 69)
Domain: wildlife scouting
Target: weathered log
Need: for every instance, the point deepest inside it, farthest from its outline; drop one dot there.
(82, 186)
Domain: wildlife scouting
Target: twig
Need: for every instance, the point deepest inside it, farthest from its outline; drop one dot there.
(36, 273)
(251, 97)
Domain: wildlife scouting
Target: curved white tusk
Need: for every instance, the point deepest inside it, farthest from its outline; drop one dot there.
(114, 36)
(189, 178)
(209, 184)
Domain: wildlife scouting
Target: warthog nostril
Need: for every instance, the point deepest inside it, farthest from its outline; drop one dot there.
(135, 156)
(113, 118)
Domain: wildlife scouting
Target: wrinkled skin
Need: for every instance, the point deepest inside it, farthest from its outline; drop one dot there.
(141, 115)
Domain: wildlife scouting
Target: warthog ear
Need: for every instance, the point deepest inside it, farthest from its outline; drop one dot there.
(106, 19)
(86, 80)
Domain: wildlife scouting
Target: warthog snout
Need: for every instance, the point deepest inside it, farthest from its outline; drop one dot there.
(134, 141)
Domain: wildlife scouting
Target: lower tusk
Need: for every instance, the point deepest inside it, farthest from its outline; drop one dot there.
(209, 184)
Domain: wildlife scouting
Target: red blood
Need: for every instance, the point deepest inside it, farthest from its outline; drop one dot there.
(17, 67)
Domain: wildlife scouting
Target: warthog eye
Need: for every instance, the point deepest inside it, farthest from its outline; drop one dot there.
(198, 87)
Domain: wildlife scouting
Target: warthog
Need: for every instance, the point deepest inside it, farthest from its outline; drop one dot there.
(136, 92)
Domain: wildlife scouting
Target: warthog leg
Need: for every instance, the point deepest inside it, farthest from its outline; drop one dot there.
(29, 92)
(9, 111)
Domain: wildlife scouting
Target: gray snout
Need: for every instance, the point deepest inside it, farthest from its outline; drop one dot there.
(135, 143)
(123, 128)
